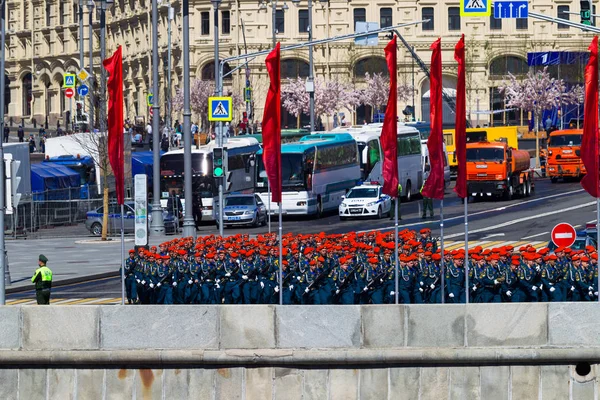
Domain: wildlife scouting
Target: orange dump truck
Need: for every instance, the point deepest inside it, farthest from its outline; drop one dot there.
(564, 160)
(495, 169)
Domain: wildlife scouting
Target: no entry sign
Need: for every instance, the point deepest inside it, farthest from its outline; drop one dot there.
(563, 235)
(69, 93)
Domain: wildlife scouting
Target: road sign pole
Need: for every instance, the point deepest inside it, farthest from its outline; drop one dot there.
(70, 114)
(189, 227)
(3, 265)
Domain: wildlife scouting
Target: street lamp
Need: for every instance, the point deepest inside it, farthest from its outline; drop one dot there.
(273, 3)
(3, 266)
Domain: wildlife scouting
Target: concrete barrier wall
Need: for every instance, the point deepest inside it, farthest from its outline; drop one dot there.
(488, 351)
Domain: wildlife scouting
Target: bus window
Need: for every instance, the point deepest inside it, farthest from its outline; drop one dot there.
(448, 139)
(374, 156)
(477, 136)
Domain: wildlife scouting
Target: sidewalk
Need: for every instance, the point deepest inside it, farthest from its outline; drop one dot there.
(68, 258)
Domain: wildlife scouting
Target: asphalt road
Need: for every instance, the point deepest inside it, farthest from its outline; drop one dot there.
(519, 219)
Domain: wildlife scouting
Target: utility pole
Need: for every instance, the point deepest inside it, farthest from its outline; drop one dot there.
(171, 16)
(189, 226)
(81, 44)
(102, 97)
(310, 84)
(219, 90)
(157, 225)
(92, 77)
(3, 265)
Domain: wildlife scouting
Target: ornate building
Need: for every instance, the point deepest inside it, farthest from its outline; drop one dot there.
(43, 43)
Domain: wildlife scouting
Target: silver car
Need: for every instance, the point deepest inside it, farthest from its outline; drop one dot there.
(241, 209)
(93, 221)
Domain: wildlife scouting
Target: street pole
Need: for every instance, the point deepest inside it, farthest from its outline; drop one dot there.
(92, 78)
(310, 84)
(170, 18)
(101, 113)
(81, 44)
(157, 225)
(3, 266)
(219, 90)
(414, 112)
(189, 227)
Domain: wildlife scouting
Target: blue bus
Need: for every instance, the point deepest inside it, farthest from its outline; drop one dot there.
(315, 173)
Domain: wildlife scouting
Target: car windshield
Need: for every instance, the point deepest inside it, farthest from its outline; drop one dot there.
(362, 193)
(565, 140)
(580, 243)
(239, 201)
(485, 154)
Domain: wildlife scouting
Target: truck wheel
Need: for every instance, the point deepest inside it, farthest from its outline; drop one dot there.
(553, 179)
(408, 192)
(527, 188)
(508, 193)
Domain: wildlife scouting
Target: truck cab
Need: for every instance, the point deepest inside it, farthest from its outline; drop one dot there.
(564, 155)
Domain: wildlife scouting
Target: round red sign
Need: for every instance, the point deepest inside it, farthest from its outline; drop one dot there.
(69, 93)
(564, 235)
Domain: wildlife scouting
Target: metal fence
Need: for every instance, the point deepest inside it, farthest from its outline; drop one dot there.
(53, 213)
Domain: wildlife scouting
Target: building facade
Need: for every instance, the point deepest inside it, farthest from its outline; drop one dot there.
(43, 43)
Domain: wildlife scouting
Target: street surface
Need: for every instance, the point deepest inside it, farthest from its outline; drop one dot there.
(491, 224)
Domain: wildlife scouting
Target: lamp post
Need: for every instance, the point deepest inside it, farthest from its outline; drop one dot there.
(3, 265)
(91, 50)
(218, 92)
(157, 225)
(189, 227)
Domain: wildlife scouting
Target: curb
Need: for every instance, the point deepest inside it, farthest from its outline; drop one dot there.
(65, 282)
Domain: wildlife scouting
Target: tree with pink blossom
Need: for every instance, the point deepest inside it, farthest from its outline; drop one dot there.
(377, 90)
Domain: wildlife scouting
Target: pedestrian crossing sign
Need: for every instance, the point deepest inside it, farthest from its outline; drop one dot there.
(475, 8)
(219, 109)
(69, 81)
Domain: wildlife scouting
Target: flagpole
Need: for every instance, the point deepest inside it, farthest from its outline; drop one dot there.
(280, 257)
(269, 204)
(598, 241)
(396, 248)
(122, 255)
(442, 272)
(466, 267)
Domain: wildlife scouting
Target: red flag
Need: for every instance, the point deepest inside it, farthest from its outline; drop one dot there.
(460, 122)
(114, 66)
(434, 187)
(271, 124)
(389, 132)
(589, 143)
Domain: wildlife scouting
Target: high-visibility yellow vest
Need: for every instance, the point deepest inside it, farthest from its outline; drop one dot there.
(45, 272)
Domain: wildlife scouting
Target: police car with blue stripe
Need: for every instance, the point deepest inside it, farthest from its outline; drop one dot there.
(242, 209)
(365, 200)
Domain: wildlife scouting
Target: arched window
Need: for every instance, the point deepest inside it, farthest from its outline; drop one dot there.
(6, 93)
(372, 65)
(208, 72)
(294, 68)
(501, 66)
(27, 93)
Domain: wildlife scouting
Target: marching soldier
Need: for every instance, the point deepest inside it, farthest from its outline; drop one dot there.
(130, 281)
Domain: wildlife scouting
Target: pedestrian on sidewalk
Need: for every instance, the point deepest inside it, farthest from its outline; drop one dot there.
(21, 134)
(42, 278)
(6, 133)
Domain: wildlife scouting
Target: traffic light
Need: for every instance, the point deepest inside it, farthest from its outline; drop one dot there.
(218, 164)
(586, 12)
(79, 111)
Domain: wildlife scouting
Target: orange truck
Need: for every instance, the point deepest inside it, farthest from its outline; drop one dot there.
(496, 169)
(564, 159)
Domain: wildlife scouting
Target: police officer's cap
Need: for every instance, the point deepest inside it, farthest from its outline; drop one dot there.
(43, 258)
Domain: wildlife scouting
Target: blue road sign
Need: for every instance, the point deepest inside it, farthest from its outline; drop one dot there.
(475, 8)
(219, 109)
(511, 9)
(83, 90)
(371, 40)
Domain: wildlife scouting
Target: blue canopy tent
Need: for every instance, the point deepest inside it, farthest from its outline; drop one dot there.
(50, 181)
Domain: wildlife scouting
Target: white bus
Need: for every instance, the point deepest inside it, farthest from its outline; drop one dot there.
(410, 163)
(315, 172)
(425, 130)
(241, 166)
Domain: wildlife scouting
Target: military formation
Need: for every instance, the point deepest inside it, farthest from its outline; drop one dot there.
(353, 268)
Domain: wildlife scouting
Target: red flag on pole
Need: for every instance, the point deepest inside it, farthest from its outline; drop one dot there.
(271, 125)
(114, 67)
(434, 187)
(389, 133)
(460, 122)
(589, 143)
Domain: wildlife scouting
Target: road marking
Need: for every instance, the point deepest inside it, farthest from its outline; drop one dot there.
(15, 302)
(518, 220)
(493, 235)
(436, 221)
(532, 236)
(576, 226)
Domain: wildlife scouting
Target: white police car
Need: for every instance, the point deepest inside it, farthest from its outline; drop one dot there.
(365, 200)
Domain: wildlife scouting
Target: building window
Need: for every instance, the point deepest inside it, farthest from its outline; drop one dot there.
(75, 13)
(47, 13)
(427, 13)
(294, 68)
(522, 24)
(208, 72)
(385, 17)
(225, 22)
(303, 21)
(280, 21)
(453, 19)
(27, 86)
(205, 23)
(501, 66)
(61, 12)
(563, 12)
(360, 15)
(495, 23)
(371, 65)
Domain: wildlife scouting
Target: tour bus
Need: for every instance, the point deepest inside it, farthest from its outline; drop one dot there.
(241, 166)
(425, 130)
(315, 173)
(287, 135)
(411, 168)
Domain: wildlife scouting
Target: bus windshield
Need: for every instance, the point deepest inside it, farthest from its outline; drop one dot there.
(293, 173)
(172, 164)
(565, 140)
(485, 154)
(204, 186)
